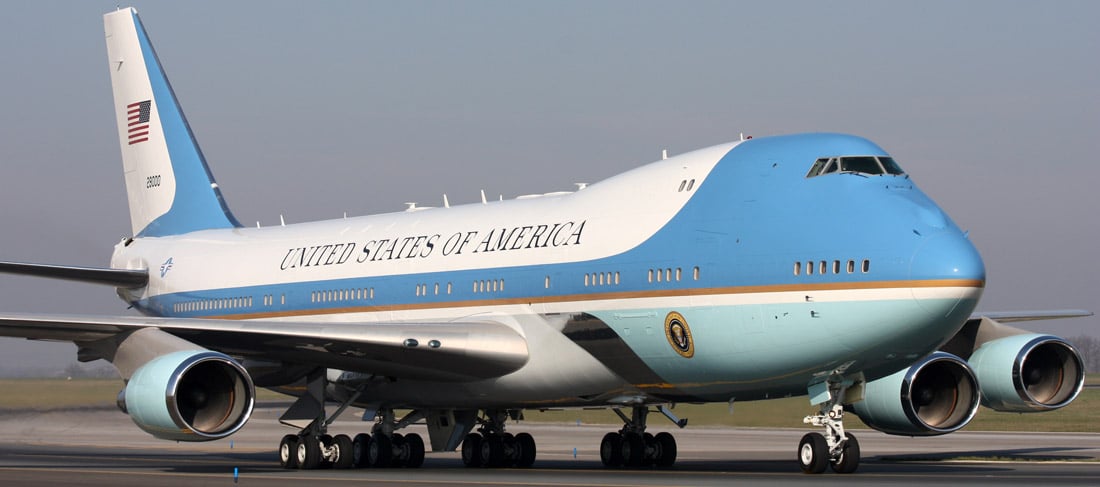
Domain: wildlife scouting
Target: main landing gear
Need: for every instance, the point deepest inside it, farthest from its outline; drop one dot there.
(633, 447)
(491, 446)
(835, 448)
(313, 448)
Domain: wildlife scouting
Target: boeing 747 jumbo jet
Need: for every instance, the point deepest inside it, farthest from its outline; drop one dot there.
(762, 268)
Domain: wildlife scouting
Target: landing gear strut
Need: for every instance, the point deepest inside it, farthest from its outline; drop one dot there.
(835, 448)
(633, 447)
(491, 446)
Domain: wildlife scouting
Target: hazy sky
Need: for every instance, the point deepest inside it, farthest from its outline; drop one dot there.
(313, 110)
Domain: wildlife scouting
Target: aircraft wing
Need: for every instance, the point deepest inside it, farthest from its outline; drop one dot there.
(428, 351)
(1013, 316)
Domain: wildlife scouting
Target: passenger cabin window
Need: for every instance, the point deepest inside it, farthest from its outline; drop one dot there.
(871, 165)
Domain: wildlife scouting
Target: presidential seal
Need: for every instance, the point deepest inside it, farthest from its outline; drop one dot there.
(679, 335)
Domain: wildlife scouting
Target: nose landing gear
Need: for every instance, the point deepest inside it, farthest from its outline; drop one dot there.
(835, 448)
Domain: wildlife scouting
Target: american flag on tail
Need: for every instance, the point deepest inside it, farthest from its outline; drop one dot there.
(137, 117)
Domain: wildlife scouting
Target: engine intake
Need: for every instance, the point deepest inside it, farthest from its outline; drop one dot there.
(1028, 373)
(934, 396)
(194, 395)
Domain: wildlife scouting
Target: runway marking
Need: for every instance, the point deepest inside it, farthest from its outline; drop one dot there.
(318, 475)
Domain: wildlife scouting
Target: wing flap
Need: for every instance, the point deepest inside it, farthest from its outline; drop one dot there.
(427, 351)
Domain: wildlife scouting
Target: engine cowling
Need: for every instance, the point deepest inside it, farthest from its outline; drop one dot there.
(192, 395)
(1028, 373)
(934, 396)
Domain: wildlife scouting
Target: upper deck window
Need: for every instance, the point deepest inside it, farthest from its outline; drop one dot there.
(872, 165)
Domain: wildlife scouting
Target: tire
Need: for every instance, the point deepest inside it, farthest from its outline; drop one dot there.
(611, 450)
(344, 452)
(650, 445)
(813, 453)
(511, 450)
(666, 447)
(471, 450)
(633, 450)
(848, 461)
(415, 445)
(397, 441)
(359, 450)
(492, 452)
(309, 453)
(288, 452)
(526, 444)
(379, 451)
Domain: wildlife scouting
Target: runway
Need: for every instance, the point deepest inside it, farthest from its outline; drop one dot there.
(103, 447)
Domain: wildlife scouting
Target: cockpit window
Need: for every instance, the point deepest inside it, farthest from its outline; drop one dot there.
(891, 166)
(872, 165)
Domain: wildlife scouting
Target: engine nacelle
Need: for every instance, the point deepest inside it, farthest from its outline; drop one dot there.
(935, 396)
(191, 395)
(1028, 373)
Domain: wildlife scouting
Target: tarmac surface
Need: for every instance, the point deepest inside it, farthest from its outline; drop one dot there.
(103, 447)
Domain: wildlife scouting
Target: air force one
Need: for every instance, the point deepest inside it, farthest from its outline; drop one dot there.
(763, 268)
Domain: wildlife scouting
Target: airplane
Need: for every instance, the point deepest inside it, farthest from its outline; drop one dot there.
(768, 267)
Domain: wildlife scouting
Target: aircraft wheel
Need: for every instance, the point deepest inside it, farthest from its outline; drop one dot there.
(288, 451)
(813, 453)
(526, 444)
(633, 449)
(309, 452)
(511, 451)
(666, 447)
(400, 451)
(471, 450)
(379, 451)
(848, 461)
(359, 450)
(492, 452)
(415, 445)
(649, 450)
(611, 450)
(344, 452)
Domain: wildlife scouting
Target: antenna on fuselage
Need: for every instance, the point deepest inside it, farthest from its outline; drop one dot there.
(664, 154)
(483, 200)
(282, 221)
(446, 204)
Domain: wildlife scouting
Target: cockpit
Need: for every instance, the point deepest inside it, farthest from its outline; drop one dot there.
(866, 165)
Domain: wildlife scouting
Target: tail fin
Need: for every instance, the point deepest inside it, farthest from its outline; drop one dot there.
(169, 185)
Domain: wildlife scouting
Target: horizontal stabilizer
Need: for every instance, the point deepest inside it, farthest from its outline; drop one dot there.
(451, 351)
(123, 278)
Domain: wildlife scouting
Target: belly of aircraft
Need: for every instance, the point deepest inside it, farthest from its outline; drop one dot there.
(717, 352)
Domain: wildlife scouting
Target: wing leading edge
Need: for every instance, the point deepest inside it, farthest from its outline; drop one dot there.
(426, 351)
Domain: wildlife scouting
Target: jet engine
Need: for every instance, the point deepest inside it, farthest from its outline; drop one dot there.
(1028, 373)
(190, 395)
(934, 396)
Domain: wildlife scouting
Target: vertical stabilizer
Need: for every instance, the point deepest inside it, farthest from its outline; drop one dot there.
(168, 183)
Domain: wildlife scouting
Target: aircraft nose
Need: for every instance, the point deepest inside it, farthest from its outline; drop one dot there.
(948, 277)
(947, 255)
